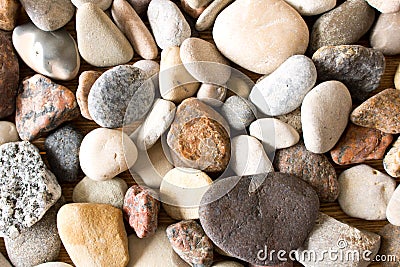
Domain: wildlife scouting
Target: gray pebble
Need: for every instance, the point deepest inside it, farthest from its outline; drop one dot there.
(238, 112)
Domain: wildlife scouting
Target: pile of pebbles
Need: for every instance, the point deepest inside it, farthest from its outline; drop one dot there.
(240, 167)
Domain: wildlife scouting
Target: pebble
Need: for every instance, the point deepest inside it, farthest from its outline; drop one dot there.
(181, 191)
(315, 169)
(9, 73)
(193, 12)
(120, 96)
(198, 3)
(176, 84)
(27, 189)
(227, 264)
(204, 62)
(158, 120)
(293, 119)
(54, 264)
(207, 18)
(102, 4)
(109, 192)
(284, 90)
(100, 42)
(261, 216)
(211, 94)
(390, 244)
(4, 262)
(140, 6)
(168, 24)
(392, 211)
(238, 112)
(153, 251)
(150, 67)
(274, 133)
(239, 84)
(53, 54)
(86, 81)
(246, 39)
(42, 106)
(132, 26)
(358, 67)
(365, 192)
(324, 115)
(358, 144)
(199, 137)
(385, 6)
(93, 234)
(391, 160)
(344, 25)
(141, 207)
(62, 149)
(397, 78)
(39, 243)
(189, 241)
(380, 112)
(385, 34)
(332, 235)
(49, 15)
(105, 153)
(8, 132)
(8, 14)
(312, 7)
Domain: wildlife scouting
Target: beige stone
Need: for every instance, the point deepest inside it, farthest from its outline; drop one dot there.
(193, 12)
(397, 78)
(227, 264)
(391, 161)
(311, 7)
(8, 132)
(140, 6)
(208, 16)
(8, 14)
(150, 67)
(385, 35)
(86, 80)
(198, 3)
(53, 264)
(385, 6)
(239, 85)
(4, 262)
(213, 95)
(93, 235)
(293, 119)
(393, 208)
(102, 4)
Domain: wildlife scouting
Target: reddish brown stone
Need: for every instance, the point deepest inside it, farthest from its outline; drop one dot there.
(358, 144)
(8, 14)
(42, 106)
(9, 75)
(315, 169)
(191, 243)
(382, 112)
(141, 210)
(199, 137)
(193, 12)
(86, 80)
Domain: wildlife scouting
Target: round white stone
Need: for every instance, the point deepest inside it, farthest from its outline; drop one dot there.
(393, 208)
(311, 7)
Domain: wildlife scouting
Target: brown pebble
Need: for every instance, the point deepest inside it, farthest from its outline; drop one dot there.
(8, 14)
(390, 244)
(86, 80)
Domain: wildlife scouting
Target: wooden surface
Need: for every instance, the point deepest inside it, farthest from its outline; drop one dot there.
(86, 126)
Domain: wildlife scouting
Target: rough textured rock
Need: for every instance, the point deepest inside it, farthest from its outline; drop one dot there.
(189, 241)
(86, 80)
(82, 226)
(207, 17)
(392, 211)
(140, 6)
(391, 162)
(293, 119)
(9, 75)
(324, 115)
(8, 14)
(211, 94)
(358, 67)
(358, 144)
(238, 112)
(315, 169)
(263, 220)
(120, 96)
(385, 6)
(390, 244)
(8, 132)
(365, 192)
(53, 54)
(312, 7)
(37, 244)
(284, 90)
(199, 137)
(27, 188)
(42, 106)
(150, 67)
(385, 34)
(329, 234)
(102, 4)
(100, 42)
(344, 25)
(239, 37)
(381, 112)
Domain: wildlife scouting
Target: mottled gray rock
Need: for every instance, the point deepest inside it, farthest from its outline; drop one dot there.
(238, 112)
(358, 67)
(102, 4)
(62, 148)
(345, 24)
(385, 35)
(8, 132)
(120, 96)
(312, 7)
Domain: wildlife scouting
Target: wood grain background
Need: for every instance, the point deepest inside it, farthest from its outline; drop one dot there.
(86, 126)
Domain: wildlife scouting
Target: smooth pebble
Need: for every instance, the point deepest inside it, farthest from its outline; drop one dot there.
(312, 7)
(385, 34)
(392, 211)
(86, 81)
(207, 18)
(238, 112)
(102, 4)
(8, 132)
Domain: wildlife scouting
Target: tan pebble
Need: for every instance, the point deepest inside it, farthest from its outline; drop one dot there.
(293, 119)
(140, 6)
(208, 16)
(240, 85)
(8, 14)
(397, 78)
(385, 35)
(211, 94)
(385, 6)
(103, 4)
(193, 12)
(198, 3)
(393, 208)
(86, 80)
(8, 132)
(150, 67)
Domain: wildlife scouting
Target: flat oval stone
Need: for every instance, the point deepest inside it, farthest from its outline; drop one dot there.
(8, 132)
(243, 32)
(358, 144)
(385, 6)
(238, 112)
(120, 96)
(391, 161)
(42, 106)
(315, 169)
(312, 7)
(358, 67)
(53, 54)
(381, 111)
(392, 211)
(100, 42)
(207, 17)
(390, 244)
(284, 90)
(168, 24)
(102, 4)
(86, 81)
(263, 220)
(8, 14)
(385, 34)
(49, 15)
(9, 76)
(324, 115)
(344, 25)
